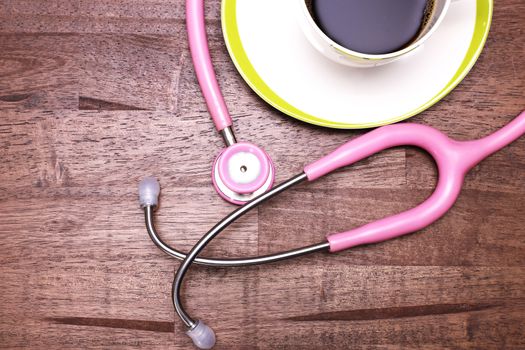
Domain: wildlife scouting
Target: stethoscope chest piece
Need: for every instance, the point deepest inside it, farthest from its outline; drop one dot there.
(241, 172)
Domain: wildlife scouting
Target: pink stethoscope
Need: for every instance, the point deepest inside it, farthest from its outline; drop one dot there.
(243, 174)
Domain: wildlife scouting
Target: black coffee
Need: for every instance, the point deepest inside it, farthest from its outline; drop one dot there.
(371, 26)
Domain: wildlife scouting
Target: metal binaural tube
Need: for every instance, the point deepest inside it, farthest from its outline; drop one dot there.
(234, 262)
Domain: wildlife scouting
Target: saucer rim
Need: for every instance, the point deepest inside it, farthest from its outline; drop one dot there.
(484, 12)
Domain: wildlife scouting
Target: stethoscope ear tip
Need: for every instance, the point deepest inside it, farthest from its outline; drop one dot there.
(149, 190)
(203, 336)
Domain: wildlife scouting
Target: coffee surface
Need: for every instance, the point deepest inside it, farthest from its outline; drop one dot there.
(370, 26)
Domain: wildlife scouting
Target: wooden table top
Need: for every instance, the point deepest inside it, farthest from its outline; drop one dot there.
(95, 95)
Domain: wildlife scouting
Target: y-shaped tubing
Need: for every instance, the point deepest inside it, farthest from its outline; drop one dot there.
(454, 159)
(203, 66)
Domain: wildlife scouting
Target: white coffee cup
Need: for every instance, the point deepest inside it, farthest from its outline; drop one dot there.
(343, 55)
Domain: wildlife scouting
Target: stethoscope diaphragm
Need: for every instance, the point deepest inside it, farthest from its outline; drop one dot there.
(241, 172)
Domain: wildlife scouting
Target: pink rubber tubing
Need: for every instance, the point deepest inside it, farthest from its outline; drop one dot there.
(203, 66)
(453, 158)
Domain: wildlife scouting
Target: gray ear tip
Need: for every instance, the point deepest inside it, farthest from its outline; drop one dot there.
(149, 190)
(203, 336)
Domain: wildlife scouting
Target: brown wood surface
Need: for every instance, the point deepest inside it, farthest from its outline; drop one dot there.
(94, 95)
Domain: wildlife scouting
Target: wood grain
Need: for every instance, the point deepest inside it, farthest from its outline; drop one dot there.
(96, 95)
